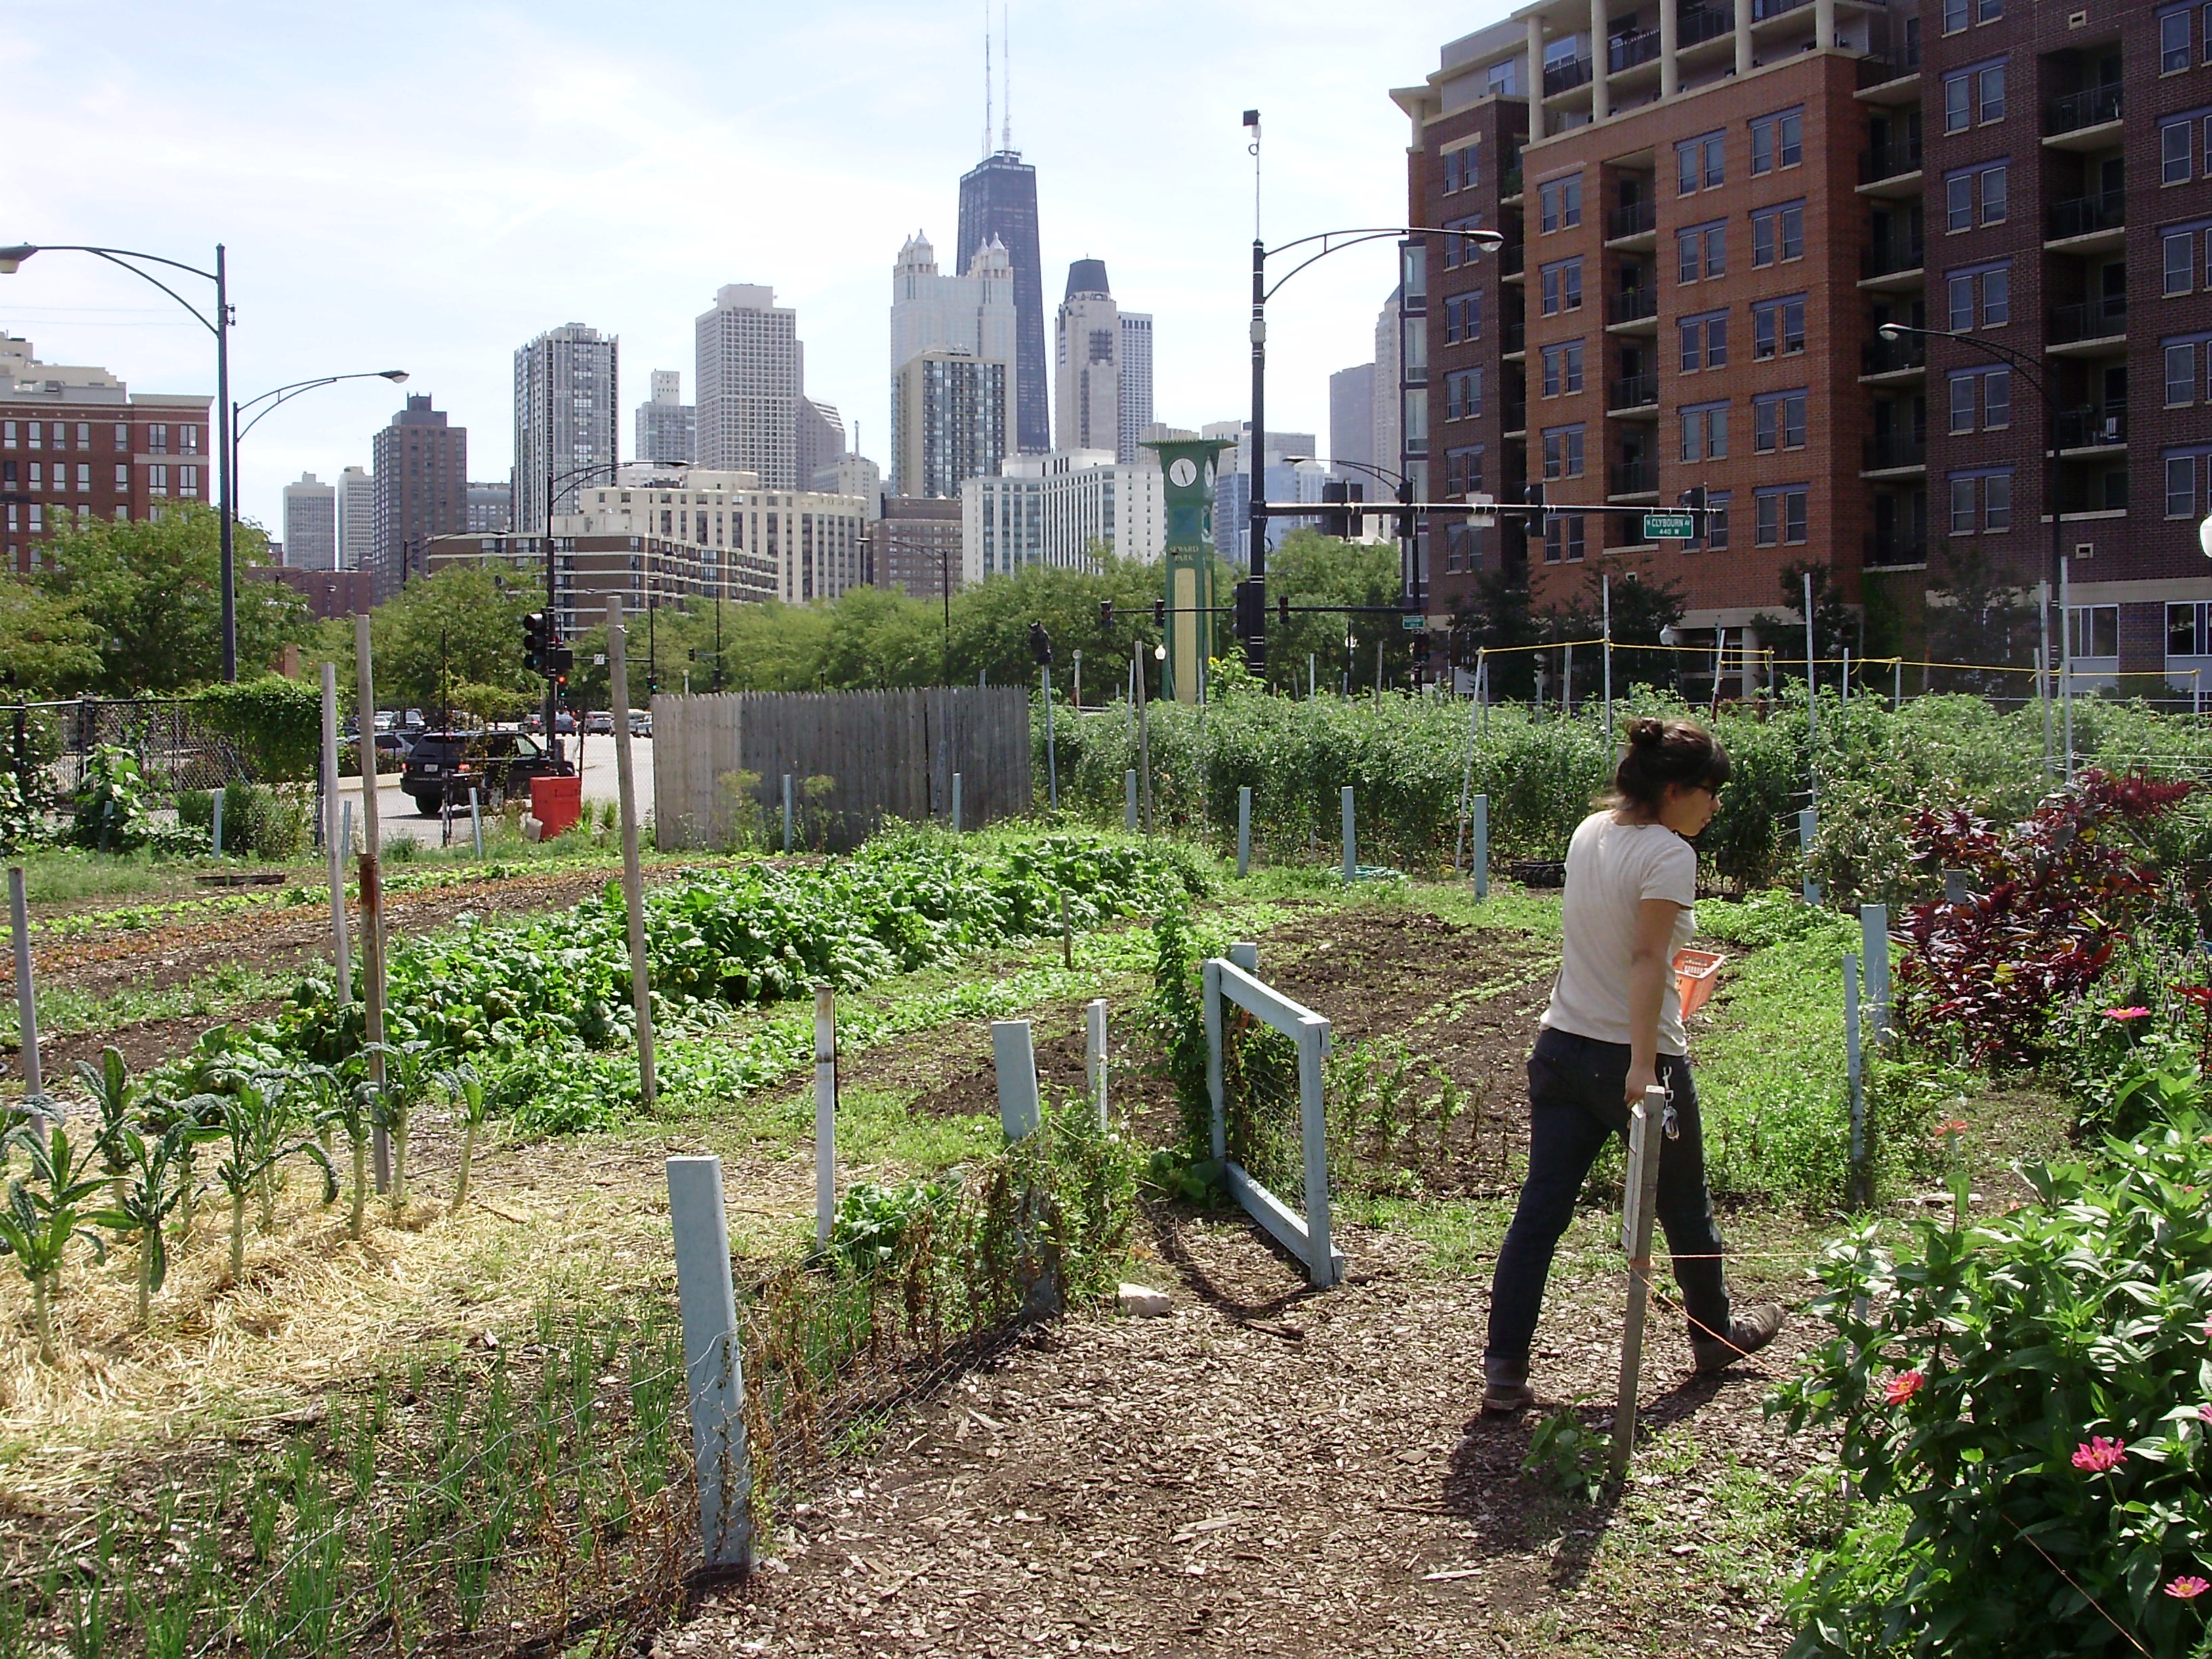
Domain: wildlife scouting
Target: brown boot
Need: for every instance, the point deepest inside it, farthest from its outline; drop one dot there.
(1747, 1334)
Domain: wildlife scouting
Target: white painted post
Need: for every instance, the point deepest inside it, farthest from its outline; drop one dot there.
(1479, 839)
(1809, 826)
(1467, 772)
(786, 807)
(1847, 676)
(337, 830)
(2066, 659)
(1958, 887)
(1209, 996)
(1245, 956)
(1094, 1054)
(1143, 738)
(1874, 940)
(1244, 831)
(1351, 845)
(1321, 1251)
(372, 886)
(27, 999)
(214, 836)
(956, 808)
(1051, 748)
(476, 821)
(640, 980)
(713, 1364)
(1812, 700)
(1642, 1199)
(1852, 1077)
(1567, 681)
(1014, 1055)
(825, 1113)
(1129, 800)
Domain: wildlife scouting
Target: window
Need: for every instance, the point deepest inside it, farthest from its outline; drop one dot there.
(157, 439)
(1462, 317)
(1464, 471)
(2177, 152)
(1973, 96)
(1704, 341)
(1780, 515)
(1989, 94)
(1959, 189)
(1560, 203)
(2186, 630)
(84, 477)
(1698, 163)
(1954, 17)
(8, 435)
(1995, 195)
(2092, 630)
(1997, 502)
(1981, 502)
(2172, 42)
(1563, 452)
(1987, 288)
(1460, 250)
(188, 440)
(1701, 251)
(1460, 169)
(1988, 11)
(1777, 326)
(2182, 385)
(1777, 234)
(2180, 263)
(1463, 394)
(122, 478)
(1705, 432)
(1563, 538)
(1563, 369)
(157, 481)
(1562, 286)
(1986, 393)
(2183, 468)
(188, 480)
(84, 435)
(122, 436)
(1777, 140)
(1777, 421)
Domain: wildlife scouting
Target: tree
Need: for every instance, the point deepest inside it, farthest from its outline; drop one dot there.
(1981, 618)
(1642, 611)
(1834, 629)
(1500, 615)
(48, 647)
(1314, 569)
(462, 626)
(152, 590)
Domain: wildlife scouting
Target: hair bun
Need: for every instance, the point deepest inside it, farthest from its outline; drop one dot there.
(1646, 732)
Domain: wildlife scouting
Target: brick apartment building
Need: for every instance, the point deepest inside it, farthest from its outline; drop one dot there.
(75, 443)
(915, 546)
(421, 491)
(1709, 218)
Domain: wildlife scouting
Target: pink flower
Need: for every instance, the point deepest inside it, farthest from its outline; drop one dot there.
(2205, 1413)
(1951, 1126)
(2187, 1587)
(2098, 1455)
(1903, 1386)
(2127, 1013)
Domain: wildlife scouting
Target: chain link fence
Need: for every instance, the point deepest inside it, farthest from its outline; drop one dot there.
(49, 745)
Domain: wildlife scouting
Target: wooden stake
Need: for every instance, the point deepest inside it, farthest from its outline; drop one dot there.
(337, 825)
(825, 1113)
(1645, 1138)
(371, 887)
(640, 982)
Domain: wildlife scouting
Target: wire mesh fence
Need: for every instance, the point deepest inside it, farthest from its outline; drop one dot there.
(50, 745)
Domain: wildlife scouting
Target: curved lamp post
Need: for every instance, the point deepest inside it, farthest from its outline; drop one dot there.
(11, 260)
(285, 394)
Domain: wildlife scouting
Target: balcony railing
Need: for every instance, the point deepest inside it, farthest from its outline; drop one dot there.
(2092, 428)
(1632, 305)
(1633, 478)
(1564, 78)
(2079, 215)
(1877, 71)
(1882, 356)
(1890, 161)
(1509, 259)
(2092, 319)
(1632, 219)
(1516, 418)
(1763, 9)
(1694, 28)
(1894, 548)
(1890, 449)
(1509, 183)
(1630, 50)
(2085, 109)
(1633, 392)
(1889, 259)
(1512, 336)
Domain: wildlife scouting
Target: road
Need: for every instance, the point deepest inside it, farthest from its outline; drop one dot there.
(397, 815)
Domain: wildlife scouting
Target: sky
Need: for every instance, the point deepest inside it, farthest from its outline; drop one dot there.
(427, 186)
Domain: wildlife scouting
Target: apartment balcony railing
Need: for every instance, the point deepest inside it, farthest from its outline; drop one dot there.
(1633, 478)
(1516, 418)
(2085, 109)
(1896, 547)
(1889, 161)
(2078, 215)
(1694, 28)
(1509, 183)
(1512, 336)
(1881, 356)
(2093, 426)
(1887, 259)
(1632, 219)
(1632, 305)
(2092, 319)
(1630, 50)
(1509, 259)
(1893, 449)
(1875, 71)
(1564, 78)
(1763, 9)
(1633, 392)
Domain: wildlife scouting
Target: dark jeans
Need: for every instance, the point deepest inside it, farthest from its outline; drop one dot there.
(1575, 1102)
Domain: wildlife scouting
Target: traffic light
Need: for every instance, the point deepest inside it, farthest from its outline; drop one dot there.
(1249, 614)
(1338, 518)
(1694, 498)
(559, 660)
(1040, 645)
(1283, 609)
(1106, 615)
(536, 638)
(1159, 613)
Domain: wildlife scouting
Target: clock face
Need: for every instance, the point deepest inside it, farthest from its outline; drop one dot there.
(1183, 471)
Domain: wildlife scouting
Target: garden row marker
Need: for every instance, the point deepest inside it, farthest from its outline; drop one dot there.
(1479, 843)
(713, 1365)
(1351, 847)
(1957, 889)
(215, 834)
(371, 889)
(1235, 979)
(1809, 826)
(956, 808)
(1897, 687)
(337, 833)
(2043, 665)
(1051, 751)
(1244, 831)
(475, 822)
(1641, 1198)
(1874, 939)
(1847, 676)
(640, 984)
(786, 807)
(1720, 659)
(1313, 676)
(1812, 707)
(1066, 935)
(825, 1113)
(1852, 1078)
(1129, 800)
(26, 1000)
(1094, 1052)
(1014, 1055)
(1466, 779)
(1606, 589)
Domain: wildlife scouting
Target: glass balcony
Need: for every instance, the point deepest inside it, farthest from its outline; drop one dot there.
(1634, 478)
(1889, 161)
(1632, 305)
(2092, 428)
(1630, 50)
(2092, 319)
(1564, 78)
(1889, 259)
(2084, 109)
(1633, 392)
(1881, 356)
(1885, 450)
(1695, 28)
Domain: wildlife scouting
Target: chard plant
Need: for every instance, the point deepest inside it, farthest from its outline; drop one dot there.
(115, 1096)
(41, 1218)
(466, 1089)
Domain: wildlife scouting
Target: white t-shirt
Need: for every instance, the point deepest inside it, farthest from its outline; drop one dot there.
(1611, 868)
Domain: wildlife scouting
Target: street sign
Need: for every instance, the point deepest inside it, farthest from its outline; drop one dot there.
(1670, 526)
(1412, 621)
(1482, 518)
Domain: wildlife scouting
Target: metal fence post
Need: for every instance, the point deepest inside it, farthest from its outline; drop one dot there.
(1479, 842)
(1051, 748)
(1351, 845)
(1874, 941)
(786, 809)
(1209, 994)
(1244, 831)
(476, 821)
(338, 829)
(27, 998)
(1094, 1054)
(713, 1366)
(1809, 826)
(825, 1113)
(955, 803)
(1014, 1055)
(1642, 1196)
(1853, 1078)
(215, 834)
(1129, 800)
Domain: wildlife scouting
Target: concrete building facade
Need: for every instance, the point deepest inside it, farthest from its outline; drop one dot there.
(357, 520)
(948, 422)
(749, 379)
(567, 416)
(311, 525)
(1087, 362)
(646, 571)
(1351, 419)
(820, 439)
(421, 468)
(917, 546)
(491, 507)
(1064, 510)
(667, 427)
(1136, 378)
(972, 315)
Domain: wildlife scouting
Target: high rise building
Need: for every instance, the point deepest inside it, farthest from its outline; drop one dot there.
(1087, 360)
(1291, 474)
(422, 478)
(851, 475)
(997, 202)
(491, 507)
(357, 520)
(818, 439)
(311, 525)
(1385, 444)
(1136, 386)
(750, 378)
(1067, 510)
(948, 422)
(1351, 420)
(667, 427)
(917, 546)
(971, 314)
(567, 417)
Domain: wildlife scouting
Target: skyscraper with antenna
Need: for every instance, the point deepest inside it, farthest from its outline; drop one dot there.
(998, 198)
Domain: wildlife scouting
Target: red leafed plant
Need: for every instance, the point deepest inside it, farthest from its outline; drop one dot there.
(2049, 899)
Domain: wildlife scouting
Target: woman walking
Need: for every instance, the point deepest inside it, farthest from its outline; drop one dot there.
(1614, 1029)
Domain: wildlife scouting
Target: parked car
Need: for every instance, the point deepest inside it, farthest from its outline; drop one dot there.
(641, 723)
(443, 766)
(600, 719)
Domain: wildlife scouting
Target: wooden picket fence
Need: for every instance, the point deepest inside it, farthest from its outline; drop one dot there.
(719, 761)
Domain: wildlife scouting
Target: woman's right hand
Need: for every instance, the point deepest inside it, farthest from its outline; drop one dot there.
(1640, 1077)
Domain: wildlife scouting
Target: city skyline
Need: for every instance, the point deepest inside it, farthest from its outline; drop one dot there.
(485, 180)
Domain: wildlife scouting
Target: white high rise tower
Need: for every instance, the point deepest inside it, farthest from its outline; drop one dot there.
(949, 319)
(748, 382)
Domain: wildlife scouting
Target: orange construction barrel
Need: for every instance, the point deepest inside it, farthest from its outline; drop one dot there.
(557, 803)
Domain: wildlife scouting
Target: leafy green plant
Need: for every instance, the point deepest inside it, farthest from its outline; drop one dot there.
(43, 1216)
(255, 1122)
(151, 1192)
(466, 1090)
(1568, 1454)
(116, 1099)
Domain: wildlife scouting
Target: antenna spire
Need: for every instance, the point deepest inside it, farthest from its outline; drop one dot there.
(986, 76)
(1006, 77)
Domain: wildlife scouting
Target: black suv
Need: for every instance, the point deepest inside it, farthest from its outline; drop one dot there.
(445, 766)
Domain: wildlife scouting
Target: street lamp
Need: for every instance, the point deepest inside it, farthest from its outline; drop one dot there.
(285, 394)
(11, 260)
(553, 485)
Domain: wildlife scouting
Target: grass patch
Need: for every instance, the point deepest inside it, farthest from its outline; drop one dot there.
(64, 1010)
(878, 1127)
(1462, 1234)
